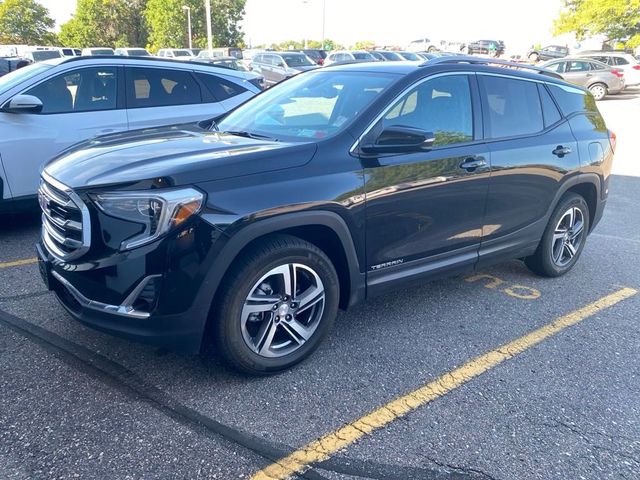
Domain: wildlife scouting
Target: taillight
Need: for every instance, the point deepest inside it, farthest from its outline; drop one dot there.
(617, 73)
(636, 67)
(321, 61)
(612, 140)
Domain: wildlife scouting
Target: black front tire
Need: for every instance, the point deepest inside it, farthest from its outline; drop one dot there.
(542, 261)
(273, 252)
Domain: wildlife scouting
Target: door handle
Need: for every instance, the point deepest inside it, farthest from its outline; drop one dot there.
(471, 163)
(561, 151)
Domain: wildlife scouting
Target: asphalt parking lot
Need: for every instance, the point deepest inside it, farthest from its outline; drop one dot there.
(501, 375)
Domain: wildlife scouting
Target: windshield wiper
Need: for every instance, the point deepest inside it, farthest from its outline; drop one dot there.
(244, 133)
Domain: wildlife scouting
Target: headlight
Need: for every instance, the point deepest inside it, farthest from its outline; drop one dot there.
(158, 211)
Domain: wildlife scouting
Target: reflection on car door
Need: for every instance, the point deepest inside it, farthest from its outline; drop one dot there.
(425, 209)
(525, 134)
(77, 105)
(577, 72)
(159, 96)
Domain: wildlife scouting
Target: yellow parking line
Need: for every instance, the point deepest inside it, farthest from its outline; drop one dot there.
(17, 263)
(326, 446)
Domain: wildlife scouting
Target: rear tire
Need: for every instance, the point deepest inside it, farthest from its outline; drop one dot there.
(278, 303)
(598, 90)
(563, 239)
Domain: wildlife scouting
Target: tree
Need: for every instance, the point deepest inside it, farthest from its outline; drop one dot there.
(616, 19)
(365, 45)
(25, 22)
(106, 23)
(167, 23)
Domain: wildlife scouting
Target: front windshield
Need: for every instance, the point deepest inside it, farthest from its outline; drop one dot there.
(232, 64)
(309, 106)
(410, 56)
(40, 55)
(16, 77)
(363, 56)
(138, 52)
(297, 61)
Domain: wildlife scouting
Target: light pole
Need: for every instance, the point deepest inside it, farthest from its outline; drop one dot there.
(188, 10)
(324, 10)
(306, 45)
(207, 7)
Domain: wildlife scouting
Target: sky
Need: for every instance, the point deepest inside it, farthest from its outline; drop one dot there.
(519, 23)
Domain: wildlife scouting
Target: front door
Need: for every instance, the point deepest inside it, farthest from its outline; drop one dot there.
(425, 210)
(77, 105)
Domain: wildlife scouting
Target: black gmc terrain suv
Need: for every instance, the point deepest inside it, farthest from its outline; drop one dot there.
(334, 186)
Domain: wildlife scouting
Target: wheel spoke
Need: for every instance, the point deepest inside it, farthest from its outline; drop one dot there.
(571, 250)
(309, 298)
(576, 230)
(298, 332)
(258, 304)
(559, 233)
(572, 218)
(265, 336)
(288, 273)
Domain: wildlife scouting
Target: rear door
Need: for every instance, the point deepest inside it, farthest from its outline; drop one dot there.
(578, 72)
(532, 150)
(162, 96)
(77, 105)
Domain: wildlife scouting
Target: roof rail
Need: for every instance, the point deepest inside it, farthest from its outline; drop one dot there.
(491, 61)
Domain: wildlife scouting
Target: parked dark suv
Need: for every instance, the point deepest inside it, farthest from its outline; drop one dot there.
(334, 186)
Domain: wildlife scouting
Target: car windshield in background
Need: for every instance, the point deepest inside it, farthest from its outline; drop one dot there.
(40, 55)
(182, 53)
(297, 60)
(102, 51)
(138, 52)
(16, 77)
(310, 106)
(232, 64)
(410, 56)
(363, 56)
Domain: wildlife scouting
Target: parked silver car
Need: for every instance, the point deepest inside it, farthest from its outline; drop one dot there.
(600, 79)
(277, 66)
(621, 60)
(48, 106)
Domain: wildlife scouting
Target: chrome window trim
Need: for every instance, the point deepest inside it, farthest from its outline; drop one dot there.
(86, 223)
(396, 98)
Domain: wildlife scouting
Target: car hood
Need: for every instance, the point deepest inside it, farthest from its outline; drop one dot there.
(181, 155)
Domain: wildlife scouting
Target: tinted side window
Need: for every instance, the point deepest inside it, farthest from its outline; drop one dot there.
(157, 87)
(441, 106)
(620, 61)
(220, 88)
(556, 67)
(512, 106)
(549, 109)
(573, 100)
(83, 90)
(577, 67)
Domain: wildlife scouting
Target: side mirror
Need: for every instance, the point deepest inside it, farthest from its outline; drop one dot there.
(23, 104)
(400, 139)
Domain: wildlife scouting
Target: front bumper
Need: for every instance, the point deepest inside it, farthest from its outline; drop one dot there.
(149, 294)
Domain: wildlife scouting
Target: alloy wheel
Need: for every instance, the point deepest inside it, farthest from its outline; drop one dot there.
(598, 92)
(567, 237)
(283, 310)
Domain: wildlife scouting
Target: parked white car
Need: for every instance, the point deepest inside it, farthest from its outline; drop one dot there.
(46, 107)
(621, 60)
(88, 52)
(349, 56)
(180, 53)
(132, 52)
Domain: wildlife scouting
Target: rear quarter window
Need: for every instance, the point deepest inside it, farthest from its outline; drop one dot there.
(572, 100)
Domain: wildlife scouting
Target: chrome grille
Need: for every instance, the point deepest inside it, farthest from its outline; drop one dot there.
(66, 231)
